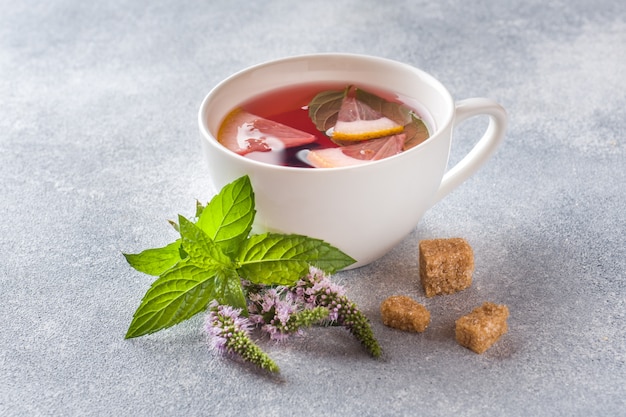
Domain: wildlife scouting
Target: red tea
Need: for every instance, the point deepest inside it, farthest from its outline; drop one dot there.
(323, 125)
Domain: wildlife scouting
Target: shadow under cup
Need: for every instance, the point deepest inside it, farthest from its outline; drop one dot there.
(364, 210)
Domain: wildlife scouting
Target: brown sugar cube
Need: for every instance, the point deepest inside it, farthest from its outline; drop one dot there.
(482, 327)
(446, 265)
(404, 313)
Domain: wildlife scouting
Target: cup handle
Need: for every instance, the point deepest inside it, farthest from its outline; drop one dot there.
(483, 149)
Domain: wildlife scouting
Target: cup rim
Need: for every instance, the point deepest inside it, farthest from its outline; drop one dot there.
(212, 141)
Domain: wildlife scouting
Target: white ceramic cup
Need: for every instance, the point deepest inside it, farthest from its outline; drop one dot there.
(364, 210)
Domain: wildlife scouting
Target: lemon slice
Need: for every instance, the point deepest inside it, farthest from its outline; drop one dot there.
(357, 121)
(358, 153)
(243, 132)
(331, 158)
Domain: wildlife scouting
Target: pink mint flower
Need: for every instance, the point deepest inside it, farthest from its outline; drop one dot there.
(279, 313)
(316, 289)
(229, 332)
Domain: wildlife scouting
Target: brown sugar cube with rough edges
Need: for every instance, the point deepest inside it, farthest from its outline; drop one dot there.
(482, 327)
(446, 265)
(404, 313)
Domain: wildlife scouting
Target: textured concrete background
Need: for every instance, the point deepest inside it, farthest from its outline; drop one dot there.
(99, 147)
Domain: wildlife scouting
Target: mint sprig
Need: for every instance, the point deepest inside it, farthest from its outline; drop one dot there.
(214, 254)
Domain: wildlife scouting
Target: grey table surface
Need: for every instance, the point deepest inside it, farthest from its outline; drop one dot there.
(99, 146)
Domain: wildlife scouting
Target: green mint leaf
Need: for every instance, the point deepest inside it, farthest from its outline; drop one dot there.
(416, 132)
(155, 261)
(227, 290)
(397, 112)
(228, 217)
(202, 251)
(178, 294)
(324, 108)
(414, 128)
(276, 259)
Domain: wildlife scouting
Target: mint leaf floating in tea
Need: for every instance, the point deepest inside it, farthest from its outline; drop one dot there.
(324, 108)
(346, 119)
(414, 128)
(217, 263)
(355, 116)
